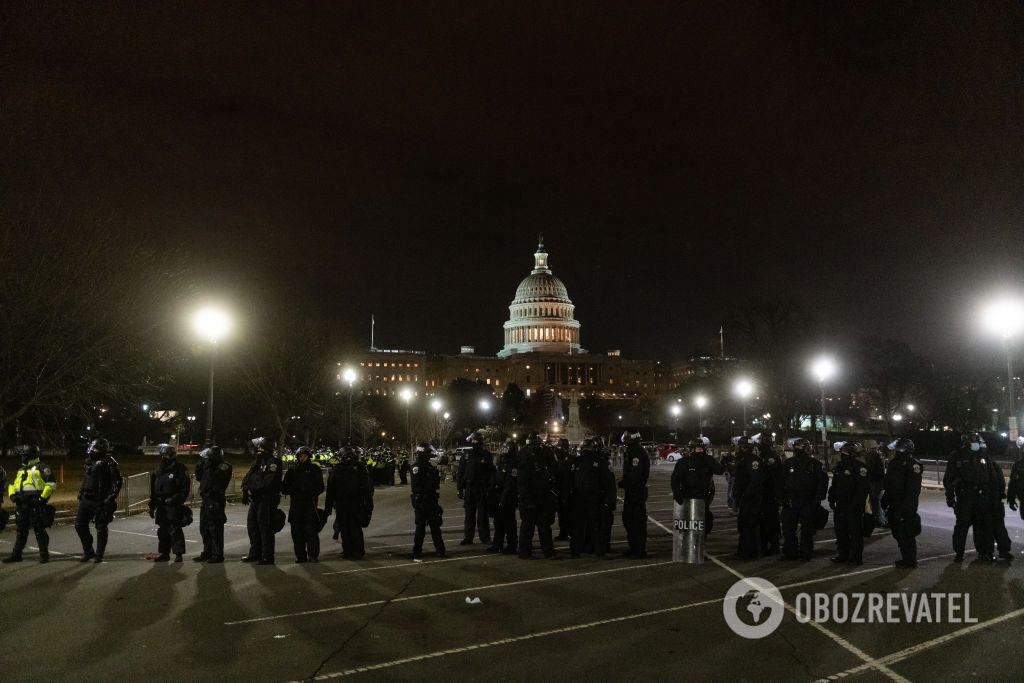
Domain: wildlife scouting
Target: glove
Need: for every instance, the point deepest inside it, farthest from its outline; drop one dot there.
(462, 494)
(152, 513)
(832, 504)
(16, 499)
(951, 502)
(245, 498)
(1012, 505)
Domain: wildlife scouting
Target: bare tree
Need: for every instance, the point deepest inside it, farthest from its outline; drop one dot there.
(891, 373)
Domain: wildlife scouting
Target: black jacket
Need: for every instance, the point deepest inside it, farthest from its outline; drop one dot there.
(213, 477)
(424, 485)
(902, 487)
(636, 468)
(802, 479)
(593, 483)
(538, 477)
(693, 476)
(303, 483)
(348, 487)
(263, 480)
(102, 480)
(851, 484)
(476, 470)
(753, 479)
(506, 480)
(972, 473)
(169, 485)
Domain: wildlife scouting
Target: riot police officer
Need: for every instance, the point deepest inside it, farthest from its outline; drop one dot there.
(693, 477)
(169, 487)
(424, 493)
(97, 498)
(593, 495)
(213, 476)
(505, 496)
(752, 484)
(1015, 488)
(999, 533)
(771, 528)
(802, 486)
(901, 492)
(30, 491)
(636, 468)
(261, 491)
(971, 490)
(563, 486)
(474, 480)
(303, 485)
(350, 493)
(537, 498)
(847, 496)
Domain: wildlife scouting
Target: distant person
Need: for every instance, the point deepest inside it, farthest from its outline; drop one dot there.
(971, 490)
(848, 496)
(729, 463)
(261, 491)
(563, 487)
(303, 485)
(504, 497)
(30, 491)
(802, 485)
(476, 472)
(771, 528)
(425, 489)
(169, 487)
(753, 481)
(97, 498)
(1015, 488)
(349, 494)
(999, 533)
(901, 495)
(213, 477)
(876, 475)
(593, 495)
(636, 469)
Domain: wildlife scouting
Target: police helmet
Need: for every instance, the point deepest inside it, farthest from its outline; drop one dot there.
(801, 446)
(29, 453)
(851, 448)
(696, 445)
(902, 446)
(212, 453)
(98, 447)
(974, 441)
(532, 439)
(629, 436)
(475, 439)
(304, 450)
(166, 451)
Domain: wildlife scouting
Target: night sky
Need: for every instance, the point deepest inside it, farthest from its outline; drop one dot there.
(400, 159)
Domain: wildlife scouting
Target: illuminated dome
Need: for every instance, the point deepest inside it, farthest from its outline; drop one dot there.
(541, 315)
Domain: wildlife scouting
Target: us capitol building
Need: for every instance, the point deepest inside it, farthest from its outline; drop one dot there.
(542, 353)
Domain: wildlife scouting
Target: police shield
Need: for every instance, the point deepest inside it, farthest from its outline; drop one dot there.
(688, 523)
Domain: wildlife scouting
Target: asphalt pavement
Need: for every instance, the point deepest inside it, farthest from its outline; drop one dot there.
(478, 616)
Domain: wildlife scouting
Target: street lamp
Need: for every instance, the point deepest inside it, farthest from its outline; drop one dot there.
(1005, 317)
(406, 395)
(823, 368)
(435, 405)
(211, 323)
(349, 376)
(701, 401)
(744, 388)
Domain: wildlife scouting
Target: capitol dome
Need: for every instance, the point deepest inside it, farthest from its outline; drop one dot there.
(541, 315)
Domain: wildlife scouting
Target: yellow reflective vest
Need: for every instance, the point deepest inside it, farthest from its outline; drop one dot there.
(33, 479)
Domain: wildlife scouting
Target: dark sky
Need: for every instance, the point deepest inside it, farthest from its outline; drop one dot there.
(401, 158)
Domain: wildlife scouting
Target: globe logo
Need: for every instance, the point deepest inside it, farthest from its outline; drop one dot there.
(753, 608)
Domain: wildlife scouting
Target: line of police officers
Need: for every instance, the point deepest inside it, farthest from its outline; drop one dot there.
(775, 497)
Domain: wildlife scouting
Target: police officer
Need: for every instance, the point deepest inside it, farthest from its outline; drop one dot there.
(693, 477)
(636, 468)
(749, 491)
(30, 491)
(847, 496)
(261, 491)
(899, 498)
(564, 458)
(425, 486)
(999, 533)
(1015, 488)
(971, 490)
(593, 494)
(802, 486)
(771, 528)
(876, 475)
(169, 487)
(97, 498)
(537, 499)
(474, 480)
(350, 493)
(213, 476)
(303, 485)
(729, 463)
(505, 496)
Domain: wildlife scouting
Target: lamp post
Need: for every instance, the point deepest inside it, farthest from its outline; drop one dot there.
(744, 388)
(406, 395)
(1005, 317)
(211, 323)
(701, 401)
(676, 411)
(823, 368)
(435, 405)
(349, 375)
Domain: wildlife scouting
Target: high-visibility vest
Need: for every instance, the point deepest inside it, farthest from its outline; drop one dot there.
(33, 479)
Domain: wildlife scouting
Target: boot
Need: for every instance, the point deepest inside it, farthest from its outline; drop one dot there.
(12, 558)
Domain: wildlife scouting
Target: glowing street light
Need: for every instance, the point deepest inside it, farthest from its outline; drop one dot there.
(406, 395)
(435, 405)
(485, 405)
(212, 324)
(701, 402)
(349, 377)
(744, 389)
(1005, 317)
(823, 368)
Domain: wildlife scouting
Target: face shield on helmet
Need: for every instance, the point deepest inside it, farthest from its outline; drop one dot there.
(98, 448)
(29, 453)
(166, 451)
(902, 447)
(304, 451)
(974, 442)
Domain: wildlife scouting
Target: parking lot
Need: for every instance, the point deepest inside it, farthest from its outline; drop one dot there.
(479, 616)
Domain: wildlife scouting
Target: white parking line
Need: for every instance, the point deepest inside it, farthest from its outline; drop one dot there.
(424, 596)
(136, 533)
(909, 652)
